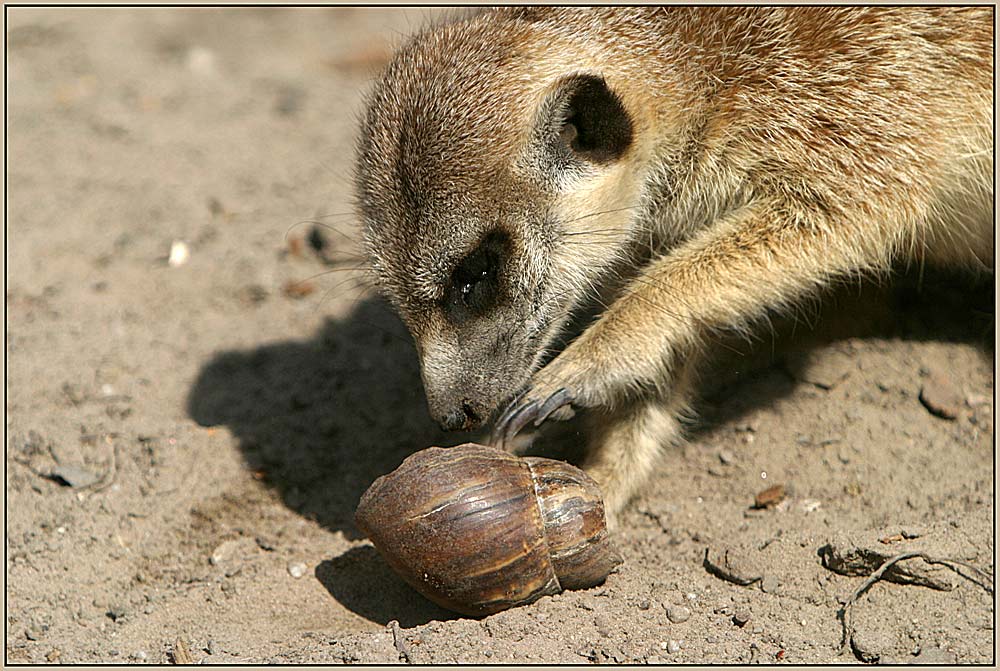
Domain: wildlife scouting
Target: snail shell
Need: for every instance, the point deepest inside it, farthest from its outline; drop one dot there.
(478, 530)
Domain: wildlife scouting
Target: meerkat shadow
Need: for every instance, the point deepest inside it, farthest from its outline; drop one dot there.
(317, 420)
(915, 305)
(360, 581)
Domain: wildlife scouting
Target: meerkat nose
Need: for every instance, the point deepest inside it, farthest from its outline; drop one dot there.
(464, 417)
(453, 421)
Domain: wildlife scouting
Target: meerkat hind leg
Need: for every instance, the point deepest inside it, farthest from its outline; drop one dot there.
(627, 443)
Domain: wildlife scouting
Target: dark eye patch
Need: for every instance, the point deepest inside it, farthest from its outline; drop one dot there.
(474, 287)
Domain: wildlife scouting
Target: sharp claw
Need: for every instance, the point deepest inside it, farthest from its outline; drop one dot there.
(518, 420)
(504, 417)
(557, 400)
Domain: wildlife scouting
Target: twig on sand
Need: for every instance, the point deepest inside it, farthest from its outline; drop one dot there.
(399, 641)
(977, 576)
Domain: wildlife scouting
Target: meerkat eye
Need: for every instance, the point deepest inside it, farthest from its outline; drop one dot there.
(474, 286)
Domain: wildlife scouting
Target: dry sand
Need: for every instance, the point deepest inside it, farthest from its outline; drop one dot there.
(184, 440)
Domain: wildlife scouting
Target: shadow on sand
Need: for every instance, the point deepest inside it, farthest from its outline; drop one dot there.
(324, 417)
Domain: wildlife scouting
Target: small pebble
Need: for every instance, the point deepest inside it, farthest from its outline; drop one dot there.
(726, 457)
(179, 254)
(673, 646)
(769, 497)
(741, 618)
(116, 612)
(940, 397)
(644, 604)
(770, 584)
(296, 569)
(74, 476)
(678, 614)
(141, 655)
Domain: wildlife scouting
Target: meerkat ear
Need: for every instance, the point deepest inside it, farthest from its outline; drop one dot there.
(594, 124)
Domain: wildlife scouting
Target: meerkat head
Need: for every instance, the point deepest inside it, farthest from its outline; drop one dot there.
(495, 179)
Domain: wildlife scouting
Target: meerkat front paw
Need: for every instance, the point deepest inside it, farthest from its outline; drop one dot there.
(532, 406)
(553, 393)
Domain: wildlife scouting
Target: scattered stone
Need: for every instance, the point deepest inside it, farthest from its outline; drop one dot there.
(731, 567)
(869, 646)
(117, 612)
(140, 655)
(935, 656)
(678, 614)
(53, 656)
(741, 617)
(298, 290)
(265, 544)
(253, 294)
(940, 396)
(232, 551)
(769, 497)
(210, 647)
(770, 584)
(74, 476)
(33, 634)
(179, 254)
(811, 505)
(180, 653)
(726, 457)
(643, 604)
(673, 646)
(848, 558)
(297, 569)
(824, 368)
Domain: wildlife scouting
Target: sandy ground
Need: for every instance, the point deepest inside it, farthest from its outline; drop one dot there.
(184, 440)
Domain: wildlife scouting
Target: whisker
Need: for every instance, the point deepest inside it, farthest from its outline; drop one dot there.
(600, 212)
(329, 227)
(364, 270)
(360, 283)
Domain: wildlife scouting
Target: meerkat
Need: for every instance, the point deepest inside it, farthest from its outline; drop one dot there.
(736, 160)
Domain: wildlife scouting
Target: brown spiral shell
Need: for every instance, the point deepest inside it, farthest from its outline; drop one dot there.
(478, 530)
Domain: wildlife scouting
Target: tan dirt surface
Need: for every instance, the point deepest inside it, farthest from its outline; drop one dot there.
(184, 439)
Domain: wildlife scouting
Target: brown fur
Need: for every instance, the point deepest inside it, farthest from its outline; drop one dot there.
(774, 151)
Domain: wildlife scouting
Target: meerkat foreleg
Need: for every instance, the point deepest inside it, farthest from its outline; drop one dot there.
(768, 254)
